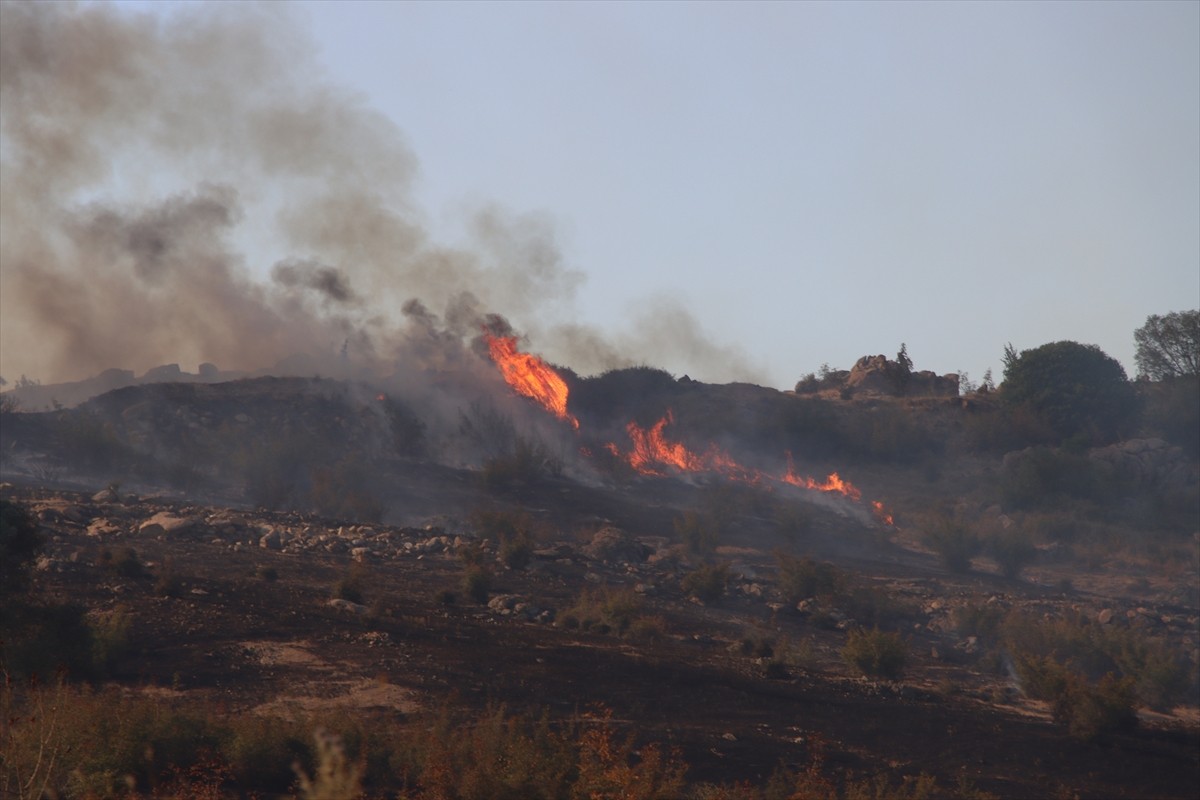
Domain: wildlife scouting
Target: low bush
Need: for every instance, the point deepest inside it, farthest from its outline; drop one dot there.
(477, 583)
(345, 490)
(603, 611)
(954, 541)
(699, 532)
(801, 578)
(876, 653)
(1013, 550)
(706, 583)
(352, 585)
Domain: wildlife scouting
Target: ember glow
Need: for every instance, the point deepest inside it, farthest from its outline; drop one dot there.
(531, 376)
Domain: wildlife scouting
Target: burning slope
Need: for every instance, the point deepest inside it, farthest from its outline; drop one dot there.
(651, 452)
(529, 375)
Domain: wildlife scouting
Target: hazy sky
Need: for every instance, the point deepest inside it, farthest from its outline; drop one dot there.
(819, 181)
(812, 181)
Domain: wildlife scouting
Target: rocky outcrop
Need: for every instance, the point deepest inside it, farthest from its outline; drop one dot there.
(879, 375)
(615, 545)
(1148, 463)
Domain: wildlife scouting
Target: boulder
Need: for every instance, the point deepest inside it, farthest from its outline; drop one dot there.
(345, 605)
(614, 544)
(166, 523)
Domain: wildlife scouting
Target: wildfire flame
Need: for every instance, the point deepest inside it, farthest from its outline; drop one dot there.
(651, 452)
(651, 449)
(833, 483)
(531, 376)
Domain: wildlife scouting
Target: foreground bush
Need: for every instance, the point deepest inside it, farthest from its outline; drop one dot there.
(876, 653)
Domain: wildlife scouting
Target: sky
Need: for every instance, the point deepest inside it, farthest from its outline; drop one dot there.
(747, 191)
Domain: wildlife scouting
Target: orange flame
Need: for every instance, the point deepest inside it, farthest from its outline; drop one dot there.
(833, 483)
(531, 376)
(652, 450)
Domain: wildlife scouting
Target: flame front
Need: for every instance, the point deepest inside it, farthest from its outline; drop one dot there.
(833, 483)
(651, 452)
(531, 376)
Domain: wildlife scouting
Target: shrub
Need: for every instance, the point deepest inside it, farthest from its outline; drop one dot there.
(344, 491)
(408, 431)
(352, 585)
(260, 752)
(801, 578)
(168, 583)
(706, 583)
(1013, 551)
(20, 542)
(603, 611)
(127, 564)
(876, 653)
(336, 777)
(477, 583)
(953, 540)
(698, 532)
(517, 552)
(268, 574)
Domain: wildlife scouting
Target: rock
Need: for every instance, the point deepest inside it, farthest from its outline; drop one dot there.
(1105, 616)
(103, 527)
(345, 605)
(1149, 463)
(108, 495)
(271, 540)
(166, 523)
(613, 544)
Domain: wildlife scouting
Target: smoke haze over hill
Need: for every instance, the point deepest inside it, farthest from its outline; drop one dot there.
(189, 188)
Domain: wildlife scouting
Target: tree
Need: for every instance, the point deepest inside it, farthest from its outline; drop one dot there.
(1168, 346)
(903, 372)
(1077, 390)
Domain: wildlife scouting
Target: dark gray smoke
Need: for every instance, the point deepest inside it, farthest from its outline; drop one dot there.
(242, 162)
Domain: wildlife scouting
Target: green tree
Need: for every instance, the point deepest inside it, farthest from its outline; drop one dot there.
(1077, 390)
(1168, 346)
(903, 372)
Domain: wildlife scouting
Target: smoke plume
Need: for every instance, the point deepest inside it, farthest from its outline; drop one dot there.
(188, 187)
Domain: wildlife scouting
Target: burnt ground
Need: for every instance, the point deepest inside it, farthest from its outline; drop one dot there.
(232, 639)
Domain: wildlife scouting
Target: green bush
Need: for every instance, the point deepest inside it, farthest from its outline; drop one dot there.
(876, 653)
(1078, 390)
(707, 582)
(801, 578)
(477, 583)
(953, 540)
(603, 611)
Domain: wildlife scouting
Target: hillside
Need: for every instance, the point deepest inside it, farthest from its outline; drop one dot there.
(838, 589)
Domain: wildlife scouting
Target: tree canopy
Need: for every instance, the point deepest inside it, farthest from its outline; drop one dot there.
(1076, 389)
(1168, 346)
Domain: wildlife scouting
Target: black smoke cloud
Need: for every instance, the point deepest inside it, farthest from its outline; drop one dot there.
(218, 120)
